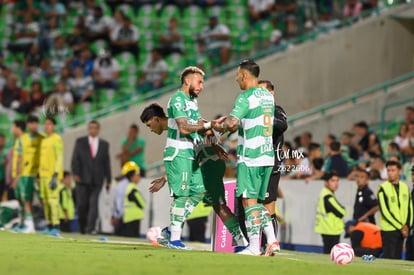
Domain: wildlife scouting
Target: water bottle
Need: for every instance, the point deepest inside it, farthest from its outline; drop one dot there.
(368, 258)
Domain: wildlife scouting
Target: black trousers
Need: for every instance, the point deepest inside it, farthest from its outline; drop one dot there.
(329, 241)
(392, 244)
(131, 229)
(409, 246)
(197, 229)
(65, 226)
(87, 198)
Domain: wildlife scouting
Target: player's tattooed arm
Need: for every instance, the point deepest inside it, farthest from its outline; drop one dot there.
(185, 128)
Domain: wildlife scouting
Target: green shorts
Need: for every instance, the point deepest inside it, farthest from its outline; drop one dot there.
(252, 181)
(184, 177)
(25, 188)
(213, 172)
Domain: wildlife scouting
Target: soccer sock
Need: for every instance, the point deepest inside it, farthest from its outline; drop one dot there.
(177, 212)
(21, 215)
(233, 226)
(267, 225)
(253, 225)
(29, 220)
(275, 225)
(191, 203)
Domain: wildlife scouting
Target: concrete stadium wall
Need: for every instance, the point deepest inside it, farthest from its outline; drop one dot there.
(343, 117)
(298, 208)
(334, 65)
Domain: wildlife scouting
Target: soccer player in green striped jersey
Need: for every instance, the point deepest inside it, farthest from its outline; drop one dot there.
(185, 126)
(252, 116)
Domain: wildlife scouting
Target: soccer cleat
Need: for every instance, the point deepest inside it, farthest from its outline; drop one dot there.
(239, 248)
(272, 249)
(27, 230)
(55, 233)
(247, 251)
(178, 245)
(166, 233)
(16, 229)
(45, 231)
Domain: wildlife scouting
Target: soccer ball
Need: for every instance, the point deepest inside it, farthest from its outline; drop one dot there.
(342, 253)
(153, 233)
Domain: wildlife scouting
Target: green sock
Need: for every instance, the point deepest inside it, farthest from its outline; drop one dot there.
(234, 228)
(267, 225)
(253, 226)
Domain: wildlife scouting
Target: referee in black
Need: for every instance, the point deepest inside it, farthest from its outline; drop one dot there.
(279, 127)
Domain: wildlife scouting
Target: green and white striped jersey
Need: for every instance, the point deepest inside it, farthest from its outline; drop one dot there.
(181, 105)
(255, 110)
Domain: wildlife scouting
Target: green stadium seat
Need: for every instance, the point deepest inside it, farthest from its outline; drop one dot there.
(127, 10)
(218, 11)
(242, 44)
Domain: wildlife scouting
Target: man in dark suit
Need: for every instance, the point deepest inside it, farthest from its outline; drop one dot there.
(91, 168)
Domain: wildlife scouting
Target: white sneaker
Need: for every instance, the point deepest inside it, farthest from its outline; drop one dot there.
(28, 230)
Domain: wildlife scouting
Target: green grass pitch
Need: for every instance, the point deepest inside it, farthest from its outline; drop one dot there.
(76, 254)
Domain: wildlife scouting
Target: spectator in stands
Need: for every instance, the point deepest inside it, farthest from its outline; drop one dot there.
(209, 3)
(402, 137)
(59, 54)
(25, 34)
(367, 141)
(125, 38)
(32, 62)
(215, 40)
(327, 143)
(98, 25)
(409, 115)
(171, 41)
(4, 72)
(335, 161)
(259, 9)
(325, 10)
(117, 21)
(305, 165)
(132, 149)
(105, 71)
(14, 97)
(61, 99)
(276, 35)
(409, 151)
(63, 76)
(154, 73)
(28, 6)
(366, 203)
(77, 40)
(288, 8)
(352, 8)
(85, 61)
(37, 97)
(49, 34)
(81, 86)
(305, 140)
(378, 163)
(348, 147)
(53, 8)
(393, 149)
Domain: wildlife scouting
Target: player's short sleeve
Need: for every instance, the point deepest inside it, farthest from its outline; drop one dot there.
(241, 107)
(177, 106)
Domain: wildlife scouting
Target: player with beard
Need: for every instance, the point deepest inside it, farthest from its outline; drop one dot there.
(211, 158)
(185, 126)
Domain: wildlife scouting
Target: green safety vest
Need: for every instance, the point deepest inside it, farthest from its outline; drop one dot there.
(131, 210)
(66, 203)
(328, 223)
(200, 211)
(396, 210)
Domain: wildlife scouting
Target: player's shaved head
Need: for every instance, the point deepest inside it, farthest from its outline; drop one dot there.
(190, 70)
(251, 67)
